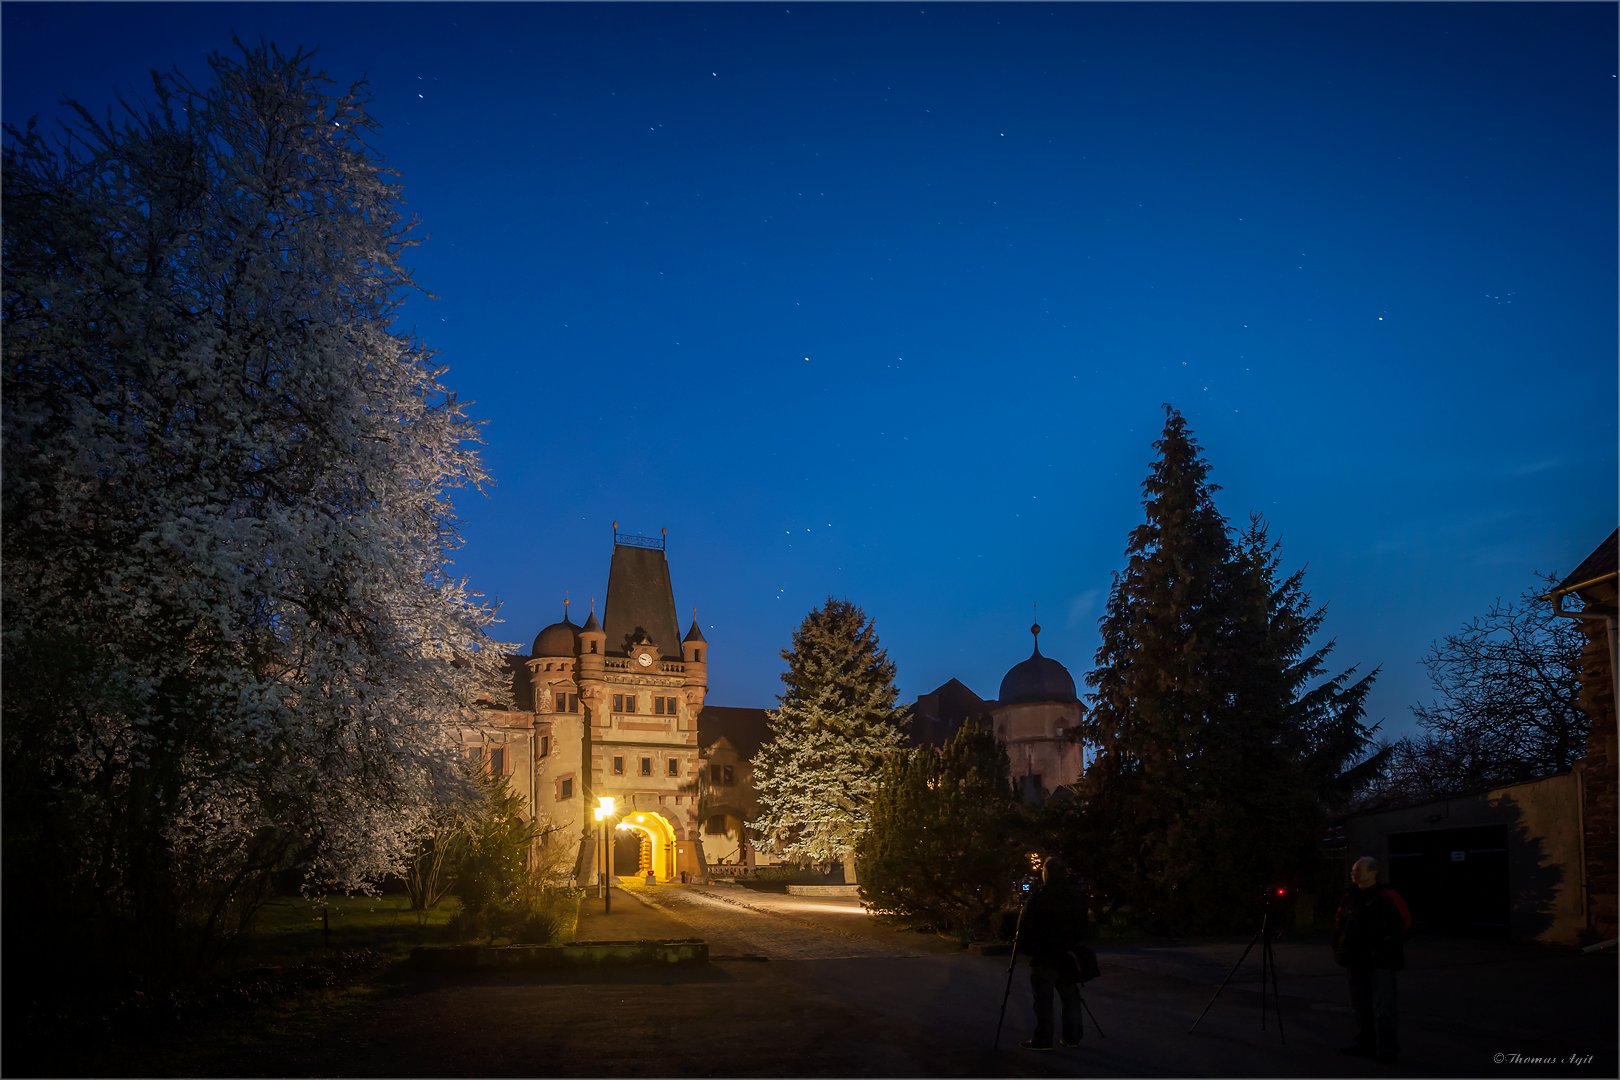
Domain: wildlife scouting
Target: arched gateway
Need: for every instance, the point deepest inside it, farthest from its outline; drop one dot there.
(657, 842)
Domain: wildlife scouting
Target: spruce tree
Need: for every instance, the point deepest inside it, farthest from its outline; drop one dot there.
(837, 723)
(940, 850)
(1215, 756)
(1319, 726)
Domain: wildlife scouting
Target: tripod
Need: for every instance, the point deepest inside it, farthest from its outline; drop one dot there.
(1268, 967)
(1012, 966)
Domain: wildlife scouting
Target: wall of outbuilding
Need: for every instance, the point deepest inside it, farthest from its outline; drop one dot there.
(1546, 875)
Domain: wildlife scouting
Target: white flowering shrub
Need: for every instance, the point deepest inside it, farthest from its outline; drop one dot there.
(230, 629)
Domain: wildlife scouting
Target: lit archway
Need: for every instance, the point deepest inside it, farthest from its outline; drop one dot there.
(660, 834)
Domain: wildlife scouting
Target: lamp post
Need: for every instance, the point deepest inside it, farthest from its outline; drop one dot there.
(605, 859)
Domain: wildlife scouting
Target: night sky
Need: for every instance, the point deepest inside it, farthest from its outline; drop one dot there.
(884, 302)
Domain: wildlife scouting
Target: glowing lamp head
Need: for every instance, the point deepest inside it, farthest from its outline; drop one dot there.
(607, 804)
(599, 814)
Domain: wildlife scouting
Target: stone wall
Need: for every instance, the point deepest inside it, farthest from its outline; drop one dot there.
(1596, 699)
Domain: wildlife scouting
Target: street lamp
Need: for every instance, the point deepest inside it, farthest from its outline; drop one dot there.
(605, 854)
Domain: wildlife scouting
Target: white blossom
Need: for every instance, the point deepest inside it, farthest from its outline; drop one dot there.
(230, 618)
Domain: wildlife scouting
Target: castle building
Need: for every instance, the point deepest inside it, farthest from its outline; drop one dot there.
(1034, 717)
(617, 708)
(613, 708)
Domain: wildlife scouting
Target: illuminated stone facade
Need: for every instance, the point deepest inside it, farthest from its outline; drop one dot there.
(612, 708)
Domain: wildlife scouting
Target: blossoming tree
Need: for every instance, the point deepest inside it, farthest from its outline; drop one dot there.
(229, 623)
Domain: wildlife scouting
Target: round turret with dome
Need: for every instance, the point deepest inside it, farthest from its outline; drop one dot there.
(1040, 678)
(558, 639)
(1036, 716)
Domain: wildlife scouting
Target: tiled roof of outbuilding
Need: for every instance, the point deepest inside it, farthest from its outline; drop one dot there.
(1600, 562)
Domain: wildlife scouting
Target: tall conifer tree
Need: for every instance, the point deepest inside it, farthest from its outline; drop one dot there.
(1214, 758)
(837, 723)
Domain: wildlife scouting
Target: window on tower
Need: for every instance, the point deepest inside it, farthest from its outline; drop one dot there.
(618, 703)
(646, 766)
(618, 766)
(629, 703)
(674, 766)
(658, 705)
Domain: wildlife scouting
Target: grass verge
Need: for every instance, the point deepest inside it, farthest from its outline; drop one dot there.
(307, 966)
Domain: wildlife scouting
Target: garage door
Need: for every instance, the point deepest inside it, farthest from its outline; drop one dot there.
(1454, 880)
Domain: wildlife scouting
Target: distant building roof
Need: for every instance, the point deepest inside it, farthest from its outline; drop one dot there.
(745, 729)
(639, 596)
(1600, 562)
(936, 717)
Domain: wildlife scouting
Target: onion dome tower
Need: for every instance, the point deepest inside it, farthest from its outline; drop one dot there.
(1036, 716)
(1040, 678)
(557, 640)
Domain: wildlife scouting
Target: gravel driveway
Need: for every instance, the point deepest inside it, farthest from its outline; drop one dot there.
(843, 995)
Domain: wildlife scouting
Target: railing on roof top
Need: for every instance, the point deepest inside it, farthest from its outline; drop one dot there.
(629, 540)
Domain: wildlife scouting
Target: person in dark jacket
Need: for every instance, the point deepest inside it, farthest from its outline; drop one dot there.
(1051, 926)
(1369, 935)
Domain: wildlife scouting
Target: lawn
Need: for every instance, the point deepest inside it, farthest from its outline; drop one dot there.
(293, 930)
(288, 980)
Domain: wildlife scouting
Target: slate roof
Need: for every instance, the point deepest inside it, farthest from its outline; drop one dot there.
(639, 595)
(1040, 678)
(745, 729)
(1600, 562)
(936, 717)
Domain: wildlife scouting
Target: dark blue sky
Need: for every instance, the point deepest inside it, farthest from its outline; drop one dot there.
(883, 301)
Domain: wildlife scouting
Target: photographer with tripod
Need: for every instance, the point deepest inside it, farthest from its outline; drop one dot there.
(1050, 929)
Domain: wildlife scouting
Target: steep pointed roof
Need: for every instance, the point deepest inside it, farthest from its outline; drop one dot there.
(640, 596)
(695, 634)
(936, 717)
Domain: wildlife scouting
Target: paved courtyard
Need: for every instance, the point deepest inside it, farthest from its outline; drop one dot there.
(816, 987)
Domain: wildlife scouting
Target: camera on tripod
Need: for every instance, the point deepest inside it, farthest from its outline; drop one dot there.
(1271, 899)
